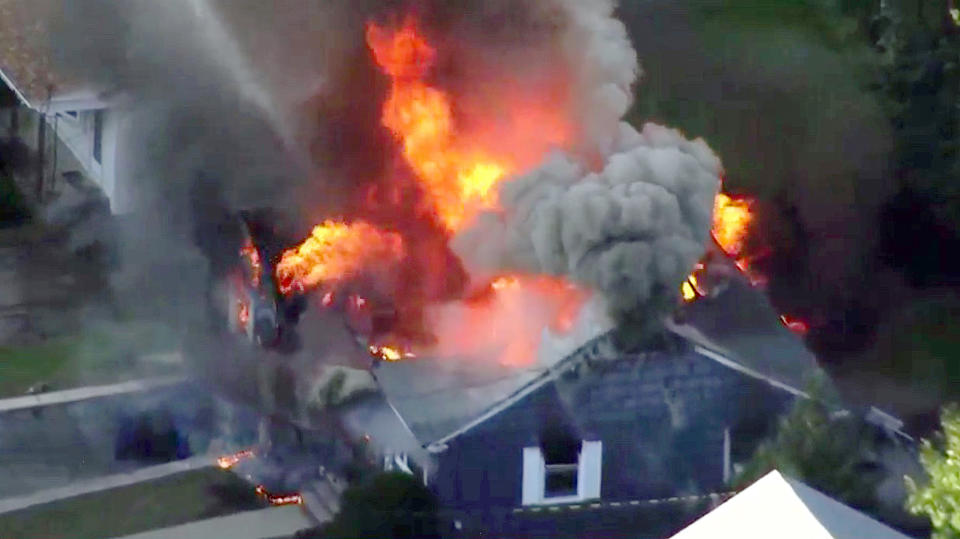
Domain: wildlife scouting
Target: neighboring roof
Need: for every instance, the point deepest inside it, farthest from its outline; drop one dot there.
(777, 506)
(26, 60)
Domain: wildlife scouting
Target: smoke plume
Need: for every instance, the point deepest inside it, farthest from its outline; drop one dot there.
(623, 213)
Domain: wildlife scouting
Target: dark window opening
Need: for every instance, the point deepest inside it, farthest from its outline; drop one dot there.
(98, 135)
(560, 480)
(561, 456)
(558, 445)
(72, 114)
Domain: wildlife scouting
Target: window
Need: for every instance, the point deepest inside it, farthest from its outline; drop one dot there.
(98, 135)
(560, 480)
(557, 476)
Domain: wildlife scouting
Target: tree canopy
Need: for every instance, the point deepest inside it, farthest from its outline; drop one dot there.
(938, 498)
(819, 449)
(388, 506)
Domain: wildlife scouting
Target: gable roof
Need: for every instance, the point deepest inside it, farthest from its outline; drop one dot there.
(441, 398)
(777, 506)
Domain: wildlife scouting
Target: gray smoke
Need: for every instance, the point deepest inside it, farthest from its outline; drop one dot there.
(631, 228)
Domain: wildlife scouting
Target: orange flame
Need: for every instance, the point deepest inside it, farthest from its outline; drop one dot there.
(335, 251)
(459, 180)
(389, 353)
(731, 221)
(508, 322)
(291, 499)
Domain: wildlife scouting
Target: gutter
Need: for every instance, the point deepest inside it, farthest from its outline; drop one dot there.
(9, 82)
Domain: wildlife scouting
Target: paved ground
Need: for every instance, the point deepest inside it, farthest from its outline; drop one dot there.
(85, 393)
(62, 444)
(103, 483)
(272, 522)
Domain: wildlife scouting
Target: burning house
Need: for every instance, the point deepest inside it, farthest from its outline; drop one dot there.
(515, 295)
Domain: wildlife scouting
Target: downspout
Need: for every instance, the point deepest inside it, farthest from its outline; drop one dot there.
(41, 151)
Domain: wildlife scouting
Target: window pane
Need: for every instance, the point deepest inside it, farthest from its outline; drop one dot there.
(560, 481)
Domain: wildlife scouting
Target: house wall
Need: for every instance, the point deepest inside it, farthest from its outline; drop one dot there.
(661, 418)
(69, 145)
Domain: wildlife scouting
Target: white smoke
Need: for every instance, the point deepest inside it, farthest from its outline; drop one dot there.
(631, 230)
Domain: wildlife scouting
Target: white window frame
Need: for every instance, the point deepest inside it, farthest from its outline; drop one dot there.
(589, 472)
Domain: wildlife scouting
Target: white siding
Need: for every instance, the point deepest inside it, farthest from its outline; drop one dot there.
(533, 468)
(589, 474)
(591, 470)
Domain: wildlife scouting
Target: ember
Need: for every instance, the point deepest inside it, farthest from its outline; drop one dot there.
(228, 461)
(290, 499)
(794, 324)
(334, 252)
(252, 256)
(389, 353)
(243, 315)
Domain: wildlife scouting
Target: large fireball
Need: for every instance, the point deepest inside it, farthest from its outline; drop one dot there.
(459, 179)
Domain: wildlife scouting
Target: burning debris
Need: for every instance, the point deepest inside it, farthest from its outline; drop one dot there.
(229, 461)
(278, 499)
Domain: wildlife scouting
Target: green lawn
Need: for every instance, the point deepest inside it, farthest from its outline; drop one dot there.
(99, 355)
(171, 501)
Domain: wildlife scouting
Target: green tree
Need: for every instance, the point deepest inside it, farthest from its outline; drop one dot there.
(938, 498)
(824, 450)
(389, 506)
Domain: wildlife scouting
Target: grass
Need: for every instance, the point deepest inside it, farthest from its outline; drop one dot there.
(102, 354)
(170, 501)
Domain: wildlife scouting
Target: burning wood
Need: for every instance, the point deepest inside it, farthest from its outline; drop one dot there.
(273, 499)
(389, 353)
(229, 461)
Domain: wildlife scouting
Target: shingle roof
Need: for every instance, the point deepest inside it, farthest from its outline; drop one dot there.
(439, 398)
